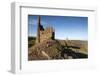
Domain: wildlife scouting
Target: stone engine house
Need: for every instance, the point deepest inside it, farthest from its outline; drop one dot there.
(44, 34)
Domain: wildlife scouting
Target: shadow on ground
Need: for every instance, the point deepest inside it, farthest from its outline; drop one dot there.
(74, 55)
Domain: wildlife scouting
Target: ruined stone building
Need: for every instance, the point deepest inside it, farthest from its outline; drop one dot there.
(44, 34)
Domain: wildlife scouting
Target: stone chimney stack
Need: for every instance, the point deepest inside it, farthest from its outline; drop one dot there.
(38, 30)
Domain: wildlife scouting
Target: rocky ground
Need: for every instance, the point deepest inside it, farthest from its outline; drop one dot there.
(58, 49)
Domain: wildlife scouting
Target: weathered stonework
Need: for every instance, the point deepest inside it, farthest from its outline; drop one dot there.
(44, 34)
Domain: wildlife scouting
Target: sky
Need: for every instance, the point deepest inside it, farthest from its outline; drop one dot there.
(66, 27)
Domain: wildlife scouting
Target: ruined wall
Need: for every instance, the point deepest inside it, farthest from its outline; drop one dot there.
(44, 34)
(48, 33)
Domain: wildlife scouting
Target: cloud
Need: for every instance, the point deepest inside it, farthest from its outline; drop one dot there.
(44, 23)
(32, 22)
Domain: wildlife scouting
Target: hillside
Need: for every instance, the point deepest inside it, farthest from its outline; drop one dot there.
(57, 49)
(31, 41)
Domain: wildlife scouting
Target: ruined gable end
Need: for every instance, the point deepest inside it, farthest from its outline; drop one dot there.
(44, 34)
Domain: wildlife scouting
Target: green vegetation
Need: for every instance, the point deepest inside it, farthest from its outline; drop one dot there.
(31, 41)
